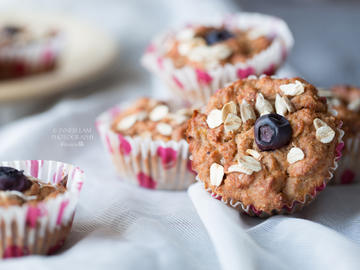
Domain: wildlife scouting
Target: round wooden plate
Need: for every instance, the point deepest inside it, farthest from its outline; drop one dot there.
(87, 52)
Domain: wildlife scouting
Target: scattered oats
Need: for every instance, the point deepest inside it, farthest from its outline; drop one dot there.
(295, 154)
(229, 107)
(177, 118)
(141, 116)
(293, 89)
(354, 105)
(255, 33)
(186, 47)
(262, 105)
(246, 111)
(185, 34)
(209, 55)
(127, 122)
(164, 129)
(214, 119)
(247, 165)
(324, 133)
(159, 112)
(232, 122)
(216, 174)
(255, 154)
(283, 105)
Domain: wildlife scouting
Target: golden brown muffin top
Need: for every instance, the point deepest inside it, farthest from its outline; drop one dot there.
(150, 118)
(345, 99)
(18, 189)
(226, 142)
(207, 47)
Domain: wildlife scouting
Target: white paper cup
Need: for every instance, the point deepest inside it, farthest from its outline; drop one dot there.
(40, 228)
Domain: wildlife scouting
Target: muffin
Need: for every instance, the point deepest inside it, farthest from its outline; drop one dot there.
(345, 99)
(265, 145)
(37, 205)
(196, 60)
(27, 50)
(147, 144)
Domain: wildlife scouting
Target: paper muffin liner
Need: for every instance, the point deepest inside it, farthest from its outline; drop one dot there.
(152, 164)
(348, 171)
(295, 205)
(40, 228)
(26, 59)
(195, 86)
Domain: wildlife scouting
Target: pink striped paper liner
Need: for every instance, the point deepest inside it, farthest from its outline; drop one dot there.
(146, 163)
(40, 228)
(195, 86)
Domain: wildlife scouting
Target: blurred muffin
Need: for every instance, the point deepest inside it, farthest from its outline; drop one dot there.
(198, 59)
(36, 214)
(147, 144)
(265, 146)
(27, 50)
(345, 99)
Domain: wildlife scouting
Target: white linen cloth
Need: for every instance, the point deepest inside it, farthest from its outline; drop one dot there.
(118, 226)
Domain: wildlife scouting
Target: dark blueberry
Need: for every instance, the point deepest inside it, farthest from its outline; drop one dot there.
(272, 131)
(12, 179)
(215, 36)
(11, 30)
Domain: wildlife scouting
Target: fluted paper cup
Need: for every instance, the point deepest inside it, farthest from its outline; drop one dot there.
(152, 164)
(295, 205)
(41, 227)
(195, 86)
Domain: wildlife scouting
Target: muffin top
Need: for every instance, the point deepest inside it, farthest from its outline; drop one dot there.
(150, 118)
(345, 99)
(206, 47)
(264, 142)
(15, 34)
(18, 189)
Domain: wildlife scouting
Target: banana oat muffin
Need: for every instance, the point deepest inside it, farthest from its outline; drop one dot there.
(37, 206)
(27, 50)
(206, 47)
(265, 145)
(150, 118)
(345, 99)
(146, 142)
(196, 60)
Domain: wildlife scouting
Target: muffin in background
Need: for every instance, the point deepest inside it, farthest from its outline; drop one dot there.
(197, 60)
(265, 146)
(37, 205)
(146, 141)
(28, 50)
(345, 99)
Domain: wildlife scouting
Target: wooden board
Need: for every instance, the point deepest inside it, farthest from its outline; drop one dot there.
(88, 52)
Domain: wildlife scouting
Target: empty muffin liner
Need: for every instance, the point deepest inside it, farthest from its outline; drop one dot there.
(195, 86)
(147, 163)
(348, 171)
(26, 59)
(295, 205)
(40, 228)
